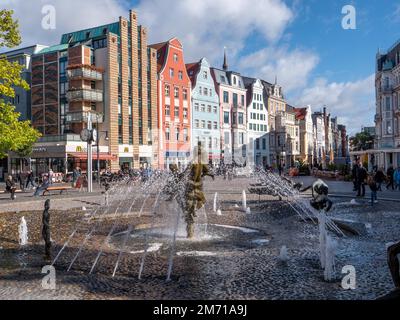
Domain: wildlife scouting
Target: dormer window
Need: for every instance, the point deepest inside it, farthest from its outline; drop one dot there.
(205, 75)
(234, 80)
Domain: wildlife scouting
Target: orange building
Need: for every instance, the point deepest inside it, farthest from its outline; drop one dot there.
(174, 104)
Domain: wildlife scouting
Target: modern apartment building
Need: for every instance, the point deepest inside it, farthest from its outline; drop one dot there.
(232, 101)
(109, 73)
(22, 99)
(387, 118)
(206, 114)
(257, 124)
(174, 105)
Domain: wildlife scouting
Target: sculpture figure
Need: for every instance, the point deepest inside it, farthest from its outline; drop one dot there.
(46, 229)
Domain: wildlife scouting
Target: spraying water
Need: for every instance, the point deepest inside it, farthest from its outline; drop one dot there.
(23, 232)
(244, 201)
(283, 254)
(215, 202)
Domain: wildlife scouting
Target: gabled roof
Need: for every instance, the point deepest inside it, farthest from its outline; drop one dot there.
(161, 53)
(224, 77)
(58, 47)
(192, 70)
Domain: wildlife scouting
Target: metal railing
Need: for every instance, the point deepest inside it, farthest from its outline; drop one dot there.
(85, 94)
(85, 73)
(58, 138)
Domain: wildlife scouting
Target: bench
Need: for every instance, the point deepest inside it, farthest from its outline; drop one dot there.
(56, 188)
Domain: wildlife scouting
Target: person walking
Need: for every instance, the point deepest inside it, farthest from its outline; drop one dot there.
(361, 178)
(354, 175)
(389, 174)
(379, 178)
(30, 179)
(75, 175)
(50, 175)
(21, 179)
(396, 178)
(374, 189)
(45, 184)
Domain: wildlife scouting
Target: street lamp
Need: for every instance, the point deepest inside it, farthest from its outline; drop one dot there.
(98, 152)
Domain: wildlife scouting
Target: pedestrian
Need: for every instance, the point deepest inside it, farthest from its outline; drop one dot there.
(396, 178)
(280, 169)
(30, 179)
(361, 178)
(22, 178)
(380, 178)
(75, 175)
(354, 175)
(374, 189)
(10, 186)
(389, 174)
(50, 175)
(45, 184)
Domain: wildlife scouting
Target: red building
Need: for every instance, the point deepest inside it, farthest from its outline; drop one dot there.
(174, 104)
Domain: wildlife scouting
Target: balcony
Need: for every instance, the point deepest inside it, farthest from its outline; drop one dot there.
(82, 116)
(84, 73)
(85, 95)
(387, 89)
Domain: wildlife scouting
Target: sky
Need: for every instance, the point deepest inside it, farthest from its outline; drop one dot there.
(301, 42)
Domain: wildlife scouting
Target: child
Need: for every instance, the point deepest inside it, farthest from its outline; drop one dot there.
(374, 189)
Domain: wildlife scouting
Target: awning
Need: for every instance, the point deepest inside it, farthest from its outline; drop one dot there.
(102, 156)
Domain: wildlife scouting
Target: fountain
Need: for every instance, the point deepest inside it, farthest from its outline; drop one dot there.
(244, 201)
(23, 232)
(283, 254)
(215, 202)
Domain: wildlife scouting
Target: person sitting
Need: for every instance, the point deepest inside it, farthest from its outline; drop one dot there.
(45, 184)
(10, 186)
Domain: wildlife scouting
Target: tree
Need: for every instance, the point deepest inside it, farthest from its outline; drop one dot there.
(362, 141)
(15, 135)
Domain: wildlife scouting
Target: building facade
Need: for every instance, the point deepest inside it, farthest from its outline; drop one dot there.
(108, 73)
(387, 85)
(232, 101)
(206, 114)
(174, 105)
(257, 124)
(319, 139)
(304, 118)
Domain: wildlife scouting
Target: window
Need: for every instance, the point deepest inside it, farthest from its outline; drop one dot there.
(203, 108)
(205, 75)
(203, 124)
(185, 95)
(264, 144)
(226, 117)
(241, 138)
(215, 143)
(226, 97)
(196, 123)
(185, 113)
(209, 142)
(234, 80)
(235, 100)
(209, 125)
(210, 92)
(254, 105)
(177, 133)
(215, 109)
(171, 72)
(200, 90)
(180, 75)
(387, 103)
(167, 134)
(240, 120)
(196, 107)
(176, 92)
(205, 91)
(242, 100)
(167, 90)
(215, 125)
(234, 118)
(389, 127)
(175, 57)
(209, 108)
(226, 138)
(185, 134)
(257, 144)
(167, 111)
(176, 112)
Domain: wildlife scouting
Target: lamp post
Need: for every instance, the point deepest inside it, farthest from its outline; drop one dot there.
(98, 152)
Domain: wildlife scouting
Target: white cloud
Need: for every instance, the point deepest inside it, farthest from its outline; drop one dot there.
(352, 102)
(71, 15)
(293, 68)
(206, 26)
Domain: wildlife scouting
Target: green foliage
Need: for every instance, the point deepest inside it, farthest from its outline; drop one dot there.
(331, 167)
(362, 141)
(15, 135)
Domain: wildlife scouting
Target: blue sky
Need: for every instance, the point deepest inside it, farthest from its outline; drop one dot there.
(301, 41)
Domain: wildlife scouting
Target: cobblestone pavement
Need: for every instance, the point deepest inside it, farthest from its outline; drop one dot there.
(235, 264)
